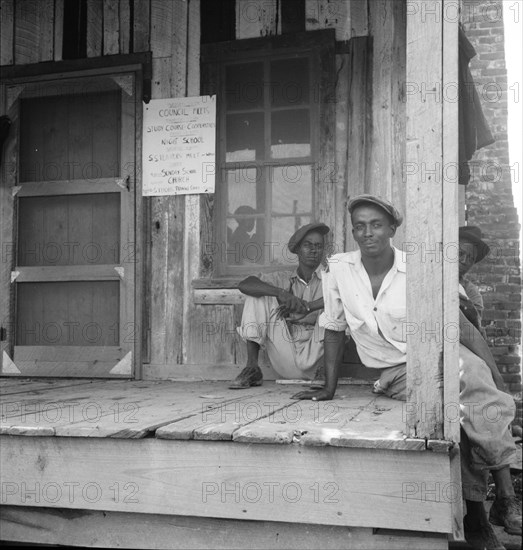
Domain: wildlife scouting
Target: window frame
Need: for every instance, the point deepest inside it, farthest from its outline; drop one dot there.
(319, 48)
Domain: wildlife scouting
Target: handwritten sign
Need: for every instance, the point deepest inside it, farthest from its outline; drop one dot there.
(179, 136)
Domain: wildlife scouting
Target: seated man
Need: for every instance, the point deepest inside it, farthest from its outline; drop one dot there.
(365, 291)
(282, 310)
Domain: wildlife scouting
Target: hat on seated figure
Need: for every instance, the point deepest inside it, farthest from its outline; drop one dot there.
(472, 234)
(296, 239)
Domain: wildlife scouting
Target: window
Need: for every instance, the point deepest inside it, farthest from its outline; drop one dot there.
(272, 98)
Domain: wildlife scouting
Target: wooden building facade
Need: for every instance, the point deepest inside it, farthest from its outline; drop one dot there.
(317, 100)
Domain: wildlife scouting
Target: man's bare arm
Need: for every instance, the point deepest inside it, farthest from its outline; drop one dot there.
(471, 338)
(333, 344)
(255, 287)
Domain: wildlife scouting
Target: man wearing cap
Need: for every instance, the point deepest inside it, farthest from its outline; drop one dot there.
(365, 292)
(281, 312)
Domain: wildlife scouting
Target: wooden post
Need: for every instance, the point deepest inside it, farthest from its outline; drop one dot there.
(432, 221)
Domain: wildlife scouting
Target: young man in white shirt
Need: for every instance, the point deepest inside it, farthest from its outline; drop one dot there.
(365, 292)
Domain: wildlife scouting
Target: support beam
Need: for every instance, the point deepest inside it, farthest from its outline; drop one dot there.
(432, 221)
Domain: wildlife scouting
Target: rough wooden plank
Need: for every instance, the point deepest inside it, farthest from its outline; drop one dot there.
(66, 273)
(7, 203)
(451, 426)
(125, 26)
(426, 331)
(398, 112)
(321, 485)
(211, 334)
(45, 11)
(17, 386)
(141, 25)
(326, 14)
(26, 32)
(151, 531)
(94, 28)
(381, 28)
(58, 30)
(191, 231)
(343, 122)
(111, 27)
(359, 18)
(358, 120)
(255, 18)
(7, 21)
(218, 296)
(219, 419)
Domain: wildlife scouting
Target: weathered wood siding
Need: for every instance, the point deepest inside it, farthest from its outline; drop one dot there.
(368, 156)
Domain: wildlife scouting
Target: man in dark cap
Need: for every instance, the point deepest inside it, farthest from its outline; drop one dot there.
(365, 292)
(281, 313)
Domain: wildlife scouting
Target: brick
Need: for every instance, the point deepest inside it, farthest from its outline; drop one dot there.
(512, 378)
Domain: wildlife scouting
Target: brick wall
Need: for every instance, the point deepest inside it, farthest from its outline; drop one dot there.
(488, 197)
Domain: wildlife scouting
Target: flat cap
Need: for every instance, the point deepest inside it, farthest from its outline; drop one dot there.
(472, 234)
(296, 239)
(384, 204)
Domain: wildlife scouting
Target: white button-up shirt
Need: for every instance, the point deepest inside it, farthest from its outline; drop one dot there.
(377, 325)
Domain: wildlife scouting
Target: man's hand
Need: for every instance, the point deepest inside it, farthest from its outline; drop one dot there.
(291, 304)
(314, 395)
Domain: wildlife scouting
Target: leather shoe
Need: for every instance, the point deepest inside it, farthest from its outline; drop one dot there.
(249, 376)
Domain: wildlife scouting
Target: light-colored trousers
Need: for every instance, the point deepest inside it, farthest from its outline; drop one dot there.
(295, 350)
(485, 416)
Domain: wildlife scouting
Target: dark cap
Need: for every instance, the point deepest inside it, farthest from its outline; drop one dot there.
(472, 234)
(384, 204)
(296, 239)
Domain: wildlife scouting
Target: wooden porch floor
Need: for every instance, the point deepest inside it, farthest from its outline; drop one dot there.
(170, 455)
(202, 411)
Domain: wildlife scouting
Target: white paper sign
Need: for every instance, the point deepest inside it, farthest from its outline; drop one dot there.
(179, 137)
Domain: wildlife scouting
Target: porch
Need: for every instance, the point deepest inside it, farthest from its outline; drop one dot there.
(193, 464)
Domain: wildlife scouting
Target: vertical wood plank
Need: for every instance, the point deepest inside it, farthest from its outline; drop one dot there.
(176, 299)
(161, 46)
(342, 149)
(425, 356)
(26, 32)
(329, 14)
(125, 25)
(359, 21)
(381, 28)
(58, 29)
(94, 28)
(111, 27)
(8, 180)
(398, 111)
(192, 202)
(451, 429)
(7, 22)
(359, 124)
(326, 175)
(141, 25)
(45, 30)
(255, 18)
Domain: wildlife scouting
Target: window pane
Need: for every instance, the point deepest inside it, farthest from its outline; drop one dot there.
(245, 240)
(244, 86)
(244, 137)
(282, 229)
(289, 82)
(292, 189)
(290, 134)
(245, 188)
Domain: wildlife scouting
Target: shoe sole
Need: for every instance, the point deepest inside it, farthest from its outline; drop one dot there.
(244, 387)
(501, 524)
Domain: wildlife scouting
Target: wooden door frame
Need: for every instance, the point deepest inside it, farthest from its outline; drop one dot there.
(140, 66)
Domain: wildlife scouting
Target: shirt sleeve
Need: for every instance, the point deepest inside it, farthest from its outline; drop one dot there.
(333, 316)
